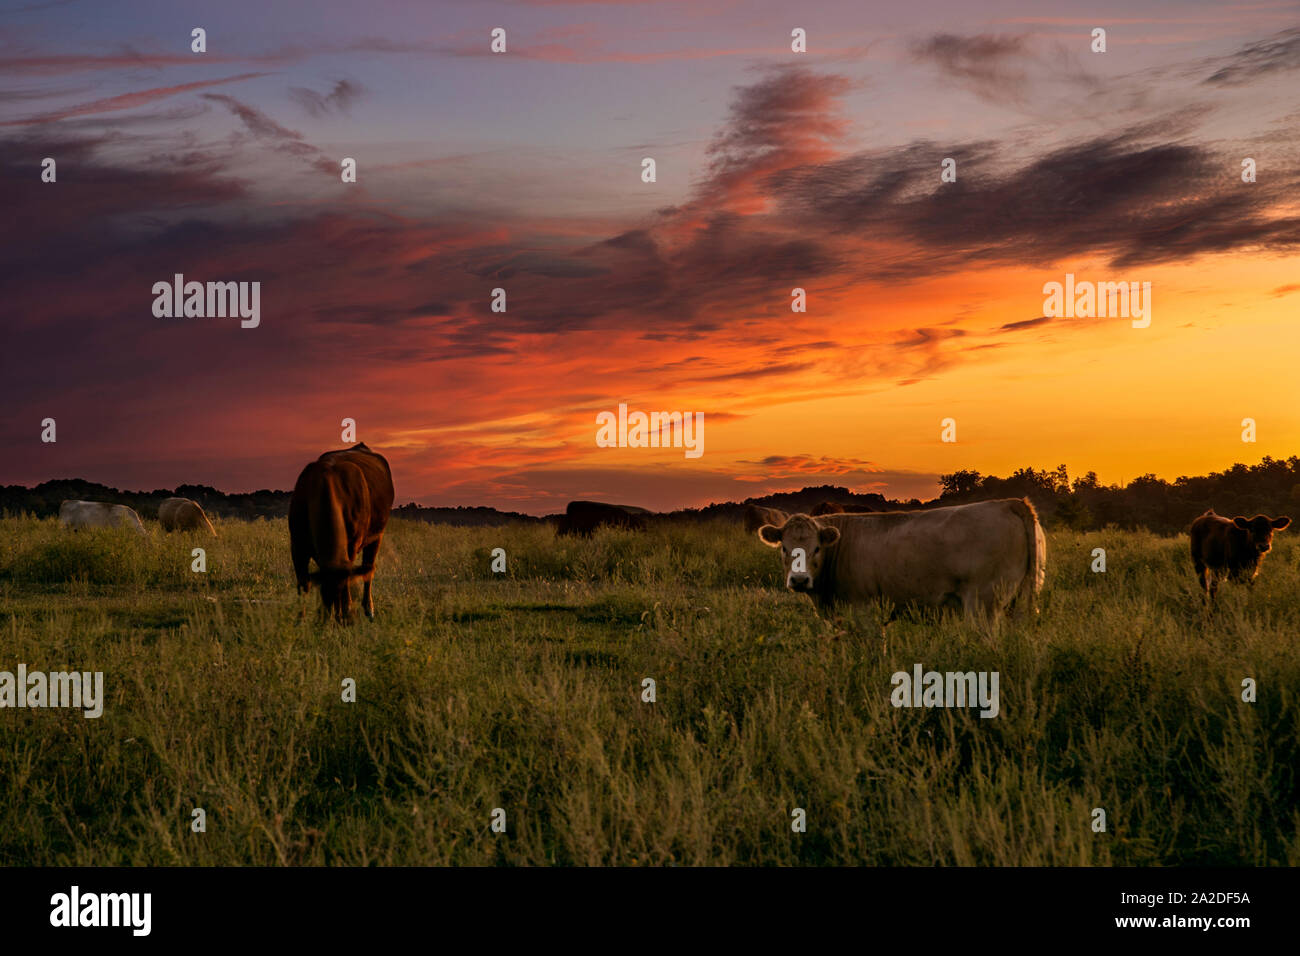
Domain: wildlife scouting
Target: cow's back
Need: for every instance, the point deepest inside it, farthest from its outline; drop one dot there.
(93, 514)
(82, 514)
(930, 557)
(581, 517)
(123, 516)
(373, 469)
(183, 514)
(1211, 537)
(341, 502)
(74, 514)
(584, 517)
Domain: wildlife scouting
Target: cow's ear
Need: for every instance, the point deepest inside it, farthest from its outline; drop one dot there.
(1242, 523)
(828, 536)
(1280, 524)
(771, 535)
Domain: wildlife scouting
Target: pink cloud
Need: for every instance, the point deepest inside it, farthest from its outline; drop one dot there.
(126, 101)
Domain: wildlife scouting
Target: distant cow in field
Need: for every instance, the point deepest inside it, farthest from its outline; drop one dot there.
(979, 557)
(827, 508)
(1231, 548)
(340, 507)
(183, 514)
(98, 514)
(756, 516)
(584, 517)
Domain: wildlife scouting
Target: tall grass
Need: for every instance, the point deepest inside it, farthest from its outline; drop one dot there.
(523, 690)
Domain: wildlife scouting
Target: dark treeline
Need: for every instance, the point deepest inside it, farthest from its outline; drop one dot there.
(462, 515)
(793, 502)
(1271, 487)
(43, 501)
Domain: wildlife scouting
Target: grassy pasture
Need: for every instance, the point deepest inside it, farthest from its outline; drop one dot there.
(523, 691)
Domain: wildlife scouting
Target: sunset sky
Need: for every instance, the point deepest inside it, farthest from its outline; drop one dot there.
(522, 171)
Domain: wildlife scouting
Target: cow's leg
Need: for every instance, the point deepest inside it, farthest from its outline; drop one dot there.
(1209, 579)
(368, 568)
(344, 607)
(994, 600)
(301, 556)
(972, 603)
(1017, 605)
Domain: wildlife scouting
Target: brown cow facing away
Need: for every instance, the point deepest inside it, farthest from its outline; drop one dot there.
(184, 514)
(980, 558)
(1231, 548)
(584, 517)
(827, 508)
(756, 516)
(340, 507)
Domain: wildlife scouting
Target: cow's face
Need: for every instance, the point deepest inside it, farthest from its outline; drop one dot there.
(1259, 531)
(803, 543)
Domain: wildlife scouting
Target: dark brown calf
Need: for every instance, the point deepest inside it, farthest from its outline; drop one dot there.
(1231, 548)
(827, 508)
(582, 518)
(340, 506)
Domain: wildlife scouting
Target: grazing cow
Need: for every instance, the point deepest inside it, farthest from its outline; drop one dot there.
(1231, 547)
(183, 514)
(980, 557)
(584, 517)
(98, 514)
(340, 506)
(827, 508)
(756, 516)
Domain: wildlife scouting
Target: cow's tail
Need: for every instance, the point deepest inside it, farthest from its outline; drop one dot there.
(1036, 571)
(328, 530)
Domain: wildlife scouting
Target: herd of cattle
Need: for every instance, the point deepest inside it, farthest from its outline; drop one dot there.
(984, 558)
(174, 514)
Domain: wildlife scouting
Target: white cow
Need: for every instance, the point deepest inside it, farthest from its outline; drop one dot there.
(979, 557)
(98, 514)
